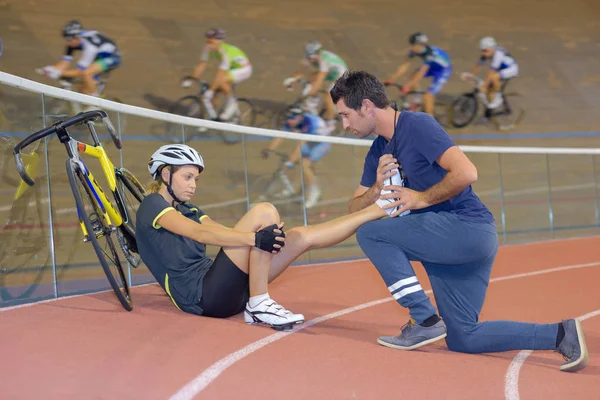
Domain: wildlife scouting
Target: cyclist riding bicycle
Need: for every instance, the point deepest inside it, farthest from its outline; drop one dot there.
(99, 55)
(329, 67)
(311, 152)
(502, 68)
(234, 68)
(436, 65)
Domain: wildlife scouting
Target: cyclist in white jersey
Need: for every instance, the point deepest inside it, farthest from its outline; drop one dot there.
(310, 152)
(99, 55)
(234, 67)
(502, 68)
(329, 67)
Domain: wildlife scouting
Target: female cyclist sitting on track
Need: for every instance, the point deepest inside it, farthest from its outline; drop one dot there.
(172, 235)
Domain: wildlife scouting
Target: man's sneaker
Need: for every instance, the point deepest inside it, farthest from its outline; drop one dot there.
(393, 180)
(414, 335)
(268, 312)
(572, 347)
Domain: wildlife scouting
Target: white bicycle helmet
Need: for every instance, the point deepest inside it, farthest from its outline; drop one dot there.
(312, 48)
(487, 42)
(418, 38)
(174, 154)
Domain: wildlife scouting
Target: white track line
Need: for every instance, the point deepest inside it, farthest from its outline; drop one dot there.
(511, 379)
(201, 382)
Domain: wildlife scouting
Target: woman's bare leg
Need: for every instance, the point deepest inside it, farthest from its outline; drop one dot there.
(253, 260)
(304, 238)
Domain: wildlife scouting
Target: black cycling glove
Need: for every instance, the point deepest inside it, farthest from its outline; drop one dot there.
(266, 238)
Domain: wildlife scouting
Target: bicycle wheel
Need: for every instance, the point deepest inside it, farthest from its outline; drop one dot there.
(510, 114)
(188, 106)
(247, 113)
(464, 110)
(130, 194)
(90, 213)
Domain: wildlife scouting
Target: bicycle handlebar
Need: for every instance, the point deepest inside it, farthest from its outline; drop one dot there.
(85, 117)
(399, 87)
(204, 85)
(282, 156)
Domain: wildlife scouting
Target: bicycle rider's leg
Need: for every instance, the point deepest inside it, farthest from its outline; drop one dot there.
(493, 82)
(88, 78)
(504, 75)
(234, 76)
(90, 75)
(439, 79)
(312, 152)
(330, 111)
(223, 86)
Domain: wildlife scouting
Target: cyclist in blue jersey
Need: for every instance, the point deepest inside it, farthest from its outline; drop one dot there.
(436, 65)
(302, 122)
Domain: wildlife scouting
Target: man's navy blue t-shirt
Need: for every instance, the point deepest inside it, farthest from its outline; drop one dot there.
(417, 143)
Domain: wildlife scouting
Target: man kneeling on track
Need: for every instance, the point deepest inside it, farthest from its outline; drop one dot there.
(441, 223)
(172, 235)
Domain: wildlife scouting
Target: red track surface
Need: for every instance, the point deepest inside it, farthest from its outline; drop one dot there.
(89, 347)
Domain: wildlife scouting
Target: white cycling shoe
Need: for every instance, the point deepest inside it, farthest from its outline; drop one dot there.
(269, 312)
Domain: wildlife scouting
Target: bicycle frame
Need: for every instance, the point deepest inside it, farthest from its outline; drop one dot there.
(74, 148)
(110, 215)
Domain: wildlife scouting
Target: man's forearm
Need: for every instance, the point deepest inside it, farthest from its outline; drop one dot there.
(450, 186)
(365, 200)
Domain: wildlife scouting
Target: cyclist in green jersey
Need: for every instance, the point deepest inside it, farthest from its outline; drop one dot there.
(329, 66)
(234, 68)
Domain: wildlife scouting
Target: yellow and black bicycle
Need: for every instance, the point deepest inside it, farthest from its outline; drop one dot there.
(100, 221)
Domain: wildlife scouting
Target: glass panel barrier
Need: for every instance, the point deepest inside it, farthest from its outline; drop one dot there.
(532, 196)
(573, 194)
(26, 268)
(526, 197)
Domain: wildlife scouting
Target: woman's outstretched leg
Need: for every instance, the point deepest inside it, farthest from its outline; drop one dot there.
(304, 238)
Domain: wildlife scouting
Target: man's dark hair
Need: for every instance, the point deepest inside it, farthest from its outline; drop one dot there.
(355, 86)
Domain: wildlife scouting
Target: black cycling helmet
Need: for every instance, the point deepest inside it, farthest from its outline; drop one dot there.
(72, 28)
(418, 38)
(215, 33)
